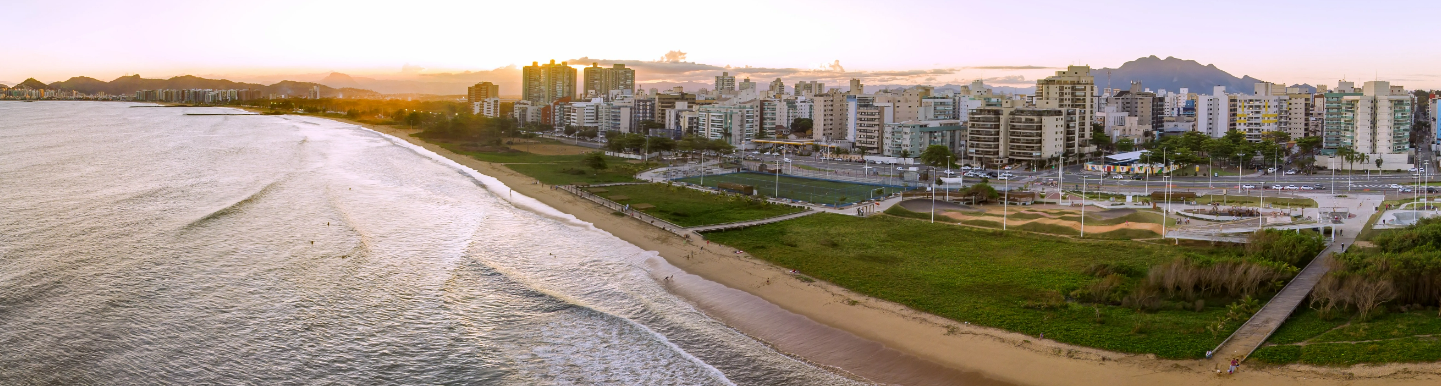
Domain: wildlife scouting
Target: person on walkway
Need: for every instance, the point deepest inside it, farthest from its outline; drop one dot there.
(1234, 364)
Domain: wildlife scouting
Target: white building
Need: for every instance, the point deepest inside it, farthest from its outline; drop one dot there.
(734, 123)
(1213, 112)
(489, 107)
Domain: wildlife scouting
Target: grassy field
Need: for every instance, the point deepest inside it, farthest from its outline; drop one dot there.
(1141, 216)
(552, 169)
(1394, 337)
(1009, 280)
(1274, 202)
(689, 207)
(800, 189)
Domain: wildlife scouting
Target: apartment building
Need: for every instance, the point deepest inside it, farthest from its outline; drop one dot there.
(911, 138)
(865, 120)
(734, 123)
(725, 82)
(600, 81)
(777, 87)
(525, 111)
(1261, 111)
(1300, 107)
(482, 91)
(829, 118)
(804, 88)
(856, 87)
(546, 83)
(1010, 134)
(1148, 108)
(668, 100)
(1375, 120)
(1073, 91)
(1213, 113)
(489, 107)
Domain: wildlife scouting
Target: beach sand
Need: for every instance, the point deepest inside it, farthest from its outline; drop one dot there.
(918, 348)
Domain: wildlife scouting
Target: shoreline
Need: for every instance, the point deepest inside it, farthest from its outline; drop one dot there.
(725, 285)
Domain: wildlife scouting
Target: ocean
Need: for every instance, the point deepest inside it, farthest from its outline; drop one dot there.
(141, 245)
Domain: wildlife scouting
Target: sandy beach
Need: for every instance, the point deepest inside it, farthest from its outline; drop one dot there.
(921, 348)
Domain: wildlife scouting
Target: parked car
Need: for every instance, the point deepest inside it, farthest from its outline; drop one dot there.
(1117, 177)
(1248, 186)
(1306, 187)
(1291, 187)
(1137, 178)
(1395, 186)
(1276, 187)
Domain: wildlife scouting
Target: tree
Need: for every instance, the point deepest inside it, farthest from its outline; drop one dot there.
(1100, 139)
(1126, 144)
(594, 161)
(936, 155)
(569, 130)
(801, 125)
(1379, 160)
(980, 193)
(905, 154)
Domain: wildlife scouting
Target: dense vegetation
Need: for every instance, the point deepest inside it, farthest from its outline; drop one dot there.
(1176, 302)
(1375, 305)
(689, 207)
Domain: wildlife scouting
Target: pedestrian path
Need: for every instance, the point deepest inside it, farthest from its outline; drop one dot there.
(743, 224)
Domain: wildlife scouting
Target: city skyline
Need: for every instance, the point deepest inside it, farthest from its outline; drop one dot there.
(1004, 46)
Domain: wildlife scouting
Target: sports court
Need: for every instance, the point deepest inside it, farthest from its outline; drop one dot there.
(799, 188)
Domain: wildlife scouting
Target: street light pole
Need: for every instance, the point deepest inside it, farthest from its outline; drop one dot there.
(1083, 206)
(1006, 206)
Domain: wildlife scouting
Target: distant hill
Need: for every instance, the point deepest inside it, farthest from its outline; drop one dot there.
(131, 84)
(1172, 74)
(32, 84)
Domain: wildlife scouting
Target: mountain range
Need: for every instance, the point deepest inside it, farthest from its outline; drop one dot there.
(133, 83)
(1172, 74)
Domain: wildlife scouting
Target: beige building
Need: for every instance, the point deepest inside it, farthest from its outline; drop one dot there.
(546, 83)
(1008, 134)
(1074, 92)
(482, 91)
(828, 117)
(600, 81)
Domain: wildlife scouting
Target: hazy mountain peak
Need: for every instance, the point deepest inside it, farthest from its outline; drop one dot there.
(33, 84)
(1172, 74)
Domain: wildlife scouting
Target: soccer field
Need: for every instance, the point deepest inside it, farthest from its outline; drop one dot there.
(800, 189)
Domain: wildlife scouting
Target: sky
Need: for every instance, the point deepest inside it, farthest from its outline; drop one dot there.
(894, 41)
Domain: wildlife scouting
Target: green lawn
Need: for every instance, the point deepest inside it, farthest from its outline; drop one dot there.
(800, 189)
(1274, 202)
(689, 207)
(554, 169)
(1392, 337)
(1009, 280)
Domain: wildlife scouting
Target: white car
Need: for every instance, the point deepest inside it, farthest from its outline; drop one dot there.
(1276, 187)
(1003, 177)
(1306, 187)
(1117, 177)
(1291, 187)
(1413, 170)
(786, 159)
(1290, 172)
(1395, 186)
(1248, 186)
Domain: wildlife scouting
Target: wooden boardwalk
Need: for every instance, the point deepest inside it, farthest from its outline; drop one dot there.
(1265, 322)
(743, 224)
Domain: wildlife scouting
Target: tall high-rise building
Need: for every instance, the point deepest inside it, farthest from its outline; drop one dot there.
(747, 84)
(1375, 121)
(546, 83)
(600, 81)
(778, 87)
(482, 91)
(1072, 89)
(725, 82)
(856, 87)
(804, 88)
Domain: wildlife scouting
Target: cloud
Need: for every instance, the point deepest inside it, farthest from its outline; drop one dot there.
(410, 69)
(1011, 68)
(1010, 79)
(673, 57)
(834, 66)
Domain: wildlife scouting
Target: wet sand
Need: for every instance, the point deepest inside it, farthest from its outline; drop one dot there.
(887, 342)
